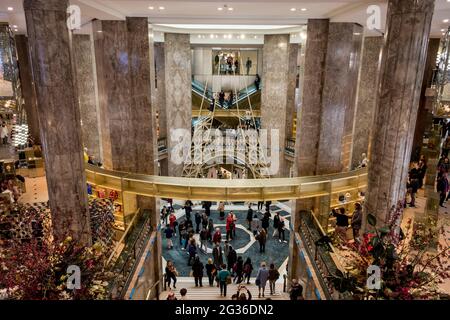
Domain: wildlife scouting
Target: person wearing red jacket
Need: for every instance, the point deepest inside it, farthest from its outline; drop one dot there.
(231, 226)
(172, 220)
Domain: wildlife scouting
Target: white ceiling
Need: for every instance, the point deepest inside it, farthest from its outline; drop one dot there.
(185, 13)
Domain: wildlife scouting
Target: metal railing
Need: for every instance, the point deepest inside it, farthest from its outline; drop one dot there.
(125, 269)
(321, 253)
(123, 240)
(155, 285)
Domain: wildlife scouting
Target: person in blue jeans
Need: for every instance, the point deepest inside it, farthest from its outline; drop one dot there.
(192, 250)
(222, 276)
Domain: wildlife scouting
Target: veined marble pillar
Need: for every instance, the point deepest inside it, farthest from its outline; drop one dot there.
(402, 68)
(292, 85)
(161, 99)
(339, 97)
(59, 117)
(365, 106)
(274, 96)
(177, 53)
(309, 116)
(86, 81)
(27, 85)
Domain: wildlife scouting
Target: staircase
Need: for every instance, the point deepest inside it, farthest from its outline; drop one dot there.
(213, 293)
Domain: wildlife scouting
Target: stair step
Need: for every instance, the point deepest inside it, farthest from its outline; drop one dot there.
(213, 293)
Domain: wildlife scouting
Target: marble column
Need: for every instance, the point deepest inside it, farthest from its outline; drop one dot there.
(402, 68)
(161, 99)
(292, 85)
(27, 85)
(365, 106)
(86, 81)
(59, 118)
(339, 97)
(177, 54)
(309, 115)
(274, 95)
(425, 115)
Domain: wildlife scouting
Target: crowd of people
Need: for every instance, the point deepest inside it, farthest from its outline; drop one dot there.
(197, 230)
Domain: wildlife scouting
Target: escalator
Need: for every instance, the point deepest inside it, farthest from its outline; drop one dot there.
(244, 95)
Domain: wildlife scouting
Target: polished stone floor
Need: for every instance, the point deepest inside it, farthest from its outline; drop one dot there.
(244, 243)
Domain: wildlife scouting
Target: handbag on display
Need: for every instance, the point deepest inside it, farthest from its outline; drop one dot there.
(341, 198)
(113, 195)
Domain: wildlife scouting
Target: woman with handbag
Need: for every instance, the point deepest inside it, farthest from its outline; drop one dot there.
(273, 277)
(224, 277)
(248, 268)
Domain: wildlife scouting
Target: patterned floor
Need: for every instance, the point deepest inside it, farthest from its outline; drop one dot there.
(244, 243)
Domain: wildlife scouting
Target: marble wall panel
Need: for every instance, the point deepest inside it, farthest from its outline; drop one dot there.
(84, 72)
(401, 75)
(59, 117)
(177, 53)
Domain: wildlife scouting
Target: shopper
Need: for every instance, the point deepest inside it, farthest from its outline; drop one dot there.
(205, 221)
(221, 98)
(257, 81)
(240, 295)
(217, 256)
(192, 250)
(210, 272)
(210, 229)
(239, 270)
(248, 268)
(224, 277)
(169, 234)
(248, 65)
(164, 215)
(262, 238)
(226, 248)
(4, 134)
(356, 222)
(274, 275)
(261, 279)
(260, 205)
(171, 274)
(197, 271)
(341, 222)
(255, 225)
(204, 240)
(413, 183)
(171, 296)
(172, 220)
(198, 221)
(265, 221)
(207, 207)
(442, 187)
(422, 170)
(231, 258)
(183, 293)
(230, 226)
(281, 228)
(296, 290)
(249, 216)
(221, 209)
(276, 222)
(217, 237)
(188, 209)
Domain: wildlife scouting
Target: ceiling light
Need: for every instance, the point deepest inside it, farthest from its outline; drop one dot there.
(443, 30)
(99, 31)
(445, 20)
(230, 9)
(10, 8)
(15, 26)
(293, 9)
(161, 8)
(256, 37)
(15, 30)
(220, 8)
(230, 36)
(151, 7)
(303, 9)
(242, 36)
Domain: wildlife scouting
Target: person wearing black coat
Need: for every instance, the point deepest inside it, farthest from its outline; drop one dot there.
(249, 216)
(197, 271)
(239, 270)
(198, 222)
(265, 222)
(231, 258)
